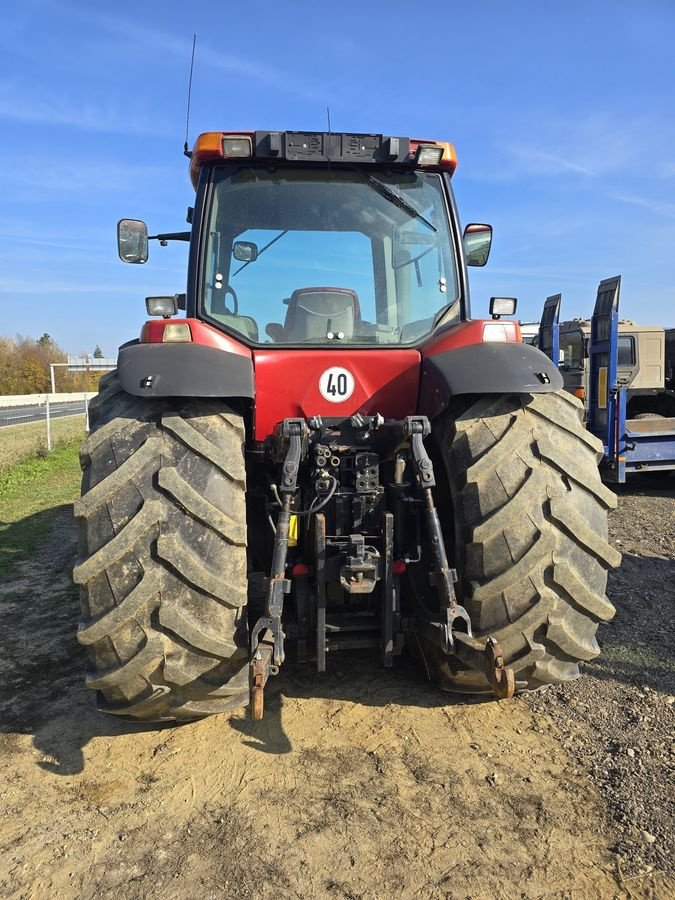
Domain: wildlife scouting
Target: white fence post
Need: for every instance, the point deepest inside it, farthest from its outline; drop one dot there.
(49, 425)
(86, 414)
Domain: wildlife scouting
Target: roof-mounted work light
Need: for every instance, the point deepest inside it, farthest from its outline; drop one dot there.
(237, 146)
(428, 155)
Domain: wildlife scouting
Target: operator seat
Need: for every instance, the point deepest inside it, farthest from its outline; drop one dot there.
(315, 312)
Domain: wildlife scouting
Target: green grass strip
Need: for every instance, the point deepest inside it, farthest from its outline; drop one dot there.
(30, 495)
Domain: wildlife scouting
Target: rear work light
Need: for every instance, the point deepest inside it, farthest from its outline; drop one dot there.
(428, 156)
(502, 306)
(161, 306)
(237, 147)
(434, 154)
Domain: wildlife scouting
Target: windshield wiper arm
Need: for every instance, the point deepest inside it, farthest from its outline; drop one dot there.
(395, 198)
(260, 252)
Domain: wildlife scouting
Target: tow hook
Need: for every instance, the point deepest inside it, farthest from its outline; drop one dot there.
(260, 669)
(489, 659)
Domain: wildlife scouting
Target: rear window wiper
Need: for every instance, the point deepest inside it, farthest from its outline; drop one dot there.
(394, 198)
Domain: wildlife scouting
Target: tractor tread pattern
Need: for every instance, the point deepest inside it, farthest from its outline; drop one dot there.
(162, 568)
(199, 444)
(530, 514)
(146, 455)
(233, 532)
(184, 560)
(122, 543)
(147, 590)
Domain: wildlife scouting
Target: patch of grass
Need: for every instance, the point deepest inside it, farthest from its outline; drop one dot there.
(30, 494)
(23, 442)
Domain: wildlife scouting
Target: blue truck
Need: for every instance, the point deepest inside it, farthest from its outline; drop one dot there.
(624, 374)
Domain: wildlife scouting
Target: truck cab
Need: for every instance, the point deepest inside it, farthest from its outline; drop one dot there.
(641, 363)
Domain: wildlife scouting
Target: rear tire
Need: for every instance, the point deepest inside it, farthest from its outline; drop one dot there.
(162, 569)
(531, 534)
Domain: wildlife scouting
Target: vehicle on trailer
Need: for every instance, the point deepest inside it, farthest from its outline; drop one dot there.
(529, 332)
(324, 452)
(642, 359)
(622, 372)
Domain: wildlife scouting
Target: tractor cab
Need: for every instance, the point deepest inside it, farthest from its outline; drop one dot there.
(326, 239)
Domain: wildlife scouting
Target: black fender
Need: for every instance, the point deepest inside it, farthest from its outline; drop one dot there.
(184, 370)
(487, 368)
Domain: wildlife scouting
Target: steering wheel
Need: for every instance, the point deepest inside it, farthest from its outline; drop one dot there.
(235, 300)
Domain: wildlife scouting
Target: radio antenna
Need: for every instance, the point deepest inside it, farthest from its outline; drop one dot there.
(187, 152)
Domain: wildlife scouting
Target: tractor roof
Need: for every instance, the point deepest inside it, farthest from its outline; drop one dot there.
(320, 147)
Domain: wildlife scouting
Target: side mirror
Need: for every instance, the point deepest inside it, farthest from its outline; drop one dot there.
(245, 251)
(132, 241)
(477, 243)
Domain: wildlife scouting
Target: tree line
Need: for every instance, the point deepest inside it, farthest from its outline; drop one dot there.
(24, 367)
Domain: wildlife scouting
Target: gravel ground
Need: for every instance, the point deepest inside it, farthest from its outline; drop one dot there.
(366, 783)
(618, 719)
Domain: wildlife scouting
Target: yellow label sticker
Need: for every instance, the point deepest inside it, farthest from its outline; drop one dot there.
(293, 532)
(602, 387)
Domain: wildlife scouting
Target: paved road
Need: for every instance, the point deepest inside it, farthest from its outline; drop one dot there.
(21, 415)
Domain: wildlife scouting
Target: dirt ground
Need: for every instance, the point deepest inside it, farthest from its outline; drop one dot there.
(358, 784)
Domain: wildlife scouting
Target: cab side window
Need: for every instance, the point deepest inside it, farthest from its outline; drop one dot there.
(572, 350)
(626, 352)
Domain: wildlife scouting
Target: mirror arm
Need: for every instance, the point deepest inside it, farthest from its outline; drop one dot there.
(171, 236)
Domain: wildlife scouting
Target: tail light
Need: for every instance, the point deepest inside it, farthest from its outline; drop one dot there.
(501, 331)
(166, 331)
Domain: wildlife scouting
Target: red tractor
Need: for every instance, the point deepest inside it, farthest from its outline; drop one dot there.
(326, 453)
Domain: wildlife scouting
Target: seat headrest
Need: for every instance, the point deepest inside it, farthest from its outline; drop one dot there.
(314, 312)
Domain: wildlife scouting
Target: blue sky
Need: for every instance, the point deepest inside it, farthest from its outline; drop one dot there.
(562, 115)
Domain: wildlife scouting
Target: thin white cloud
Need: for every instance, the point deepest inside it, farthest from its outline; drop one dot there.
(668, 170)
(22, 103)
(543, 162)
(169, 47)
(19, 103)
(100, 176)
(660, 207)
(594, 147)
